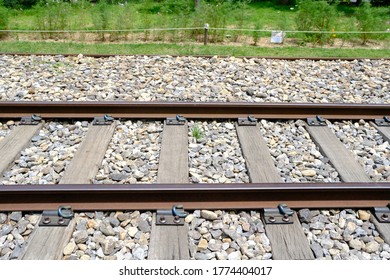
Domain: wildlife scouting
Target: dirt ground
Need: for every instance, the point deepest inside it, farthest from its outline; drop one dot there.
(139, 38)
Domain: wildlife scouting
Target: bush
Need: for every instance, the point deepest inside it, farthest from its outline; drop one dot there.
(315, 16)
(368, 20)
(53, 17)
(101, 17)
(17, 4)
(3, 21)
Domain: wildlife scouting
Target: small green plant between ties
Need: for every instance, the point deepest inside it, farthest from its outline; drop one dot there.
(197, 133)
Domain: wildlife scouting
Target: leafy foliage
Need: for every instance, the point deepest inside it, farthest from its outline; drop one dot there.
(53, 17)
(368, 20)
(3, 20)
(101, 17)
(17, 4)
(315, 16)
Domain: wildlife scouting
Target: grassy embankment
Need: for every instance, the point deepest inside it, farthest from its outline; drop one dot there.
(181, 14)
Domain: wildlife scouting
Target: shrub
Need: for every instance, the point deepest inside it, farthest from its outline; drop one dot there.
(367, 20)
(256, 34)
(17, 4)
(3, 21)
(315, 16)
(101, 17)
(53, 17)
(124, 19)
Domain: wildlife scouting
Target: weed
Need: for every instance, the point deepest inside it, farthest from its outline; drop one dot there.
(197, 132)
(256, 34)
(101, 17)
(315, 16)
(53, 17)
(59, 67)
(367, 20)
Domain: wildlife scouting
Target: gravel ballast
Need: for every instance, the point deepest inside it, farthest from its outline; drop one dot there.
(15, 229)
(233, 235)
(343, 235)
(214, 153)
(110, 236)
(165, 78)
(295, 155)
(50, 152)
(368, 146)
(132, 155)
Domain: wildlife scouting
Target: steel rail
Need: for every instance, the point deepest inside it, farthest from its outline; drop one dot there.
(198, 56)
(194, 196)
(195, 110)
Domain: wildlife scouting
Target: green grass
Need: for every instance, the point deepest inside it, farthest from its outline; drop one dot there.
(197, 133)
(156, 14)
(149, 13)
(270, 16)
(187, 49)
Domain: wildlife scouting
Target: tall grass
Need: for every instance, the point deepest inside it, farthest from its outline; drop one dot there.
(124, 20)
(219, 14)
(53, 16)
(100, 17)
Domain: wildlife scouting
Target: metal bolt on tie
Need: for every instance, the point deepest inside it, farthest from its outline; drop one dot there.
(177, 220)
(286, 218)
(385, 217)
(163, 220)
(61, 221)
(271, 219)
(174, 216)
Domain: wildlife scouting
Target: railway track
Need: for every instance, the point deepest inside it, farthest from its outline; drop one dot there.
(183, 138)
(115, 176)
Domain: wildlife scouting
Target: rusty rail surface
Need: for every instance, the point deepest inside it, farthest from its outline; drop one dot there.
(195, 110)
(194, 196)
